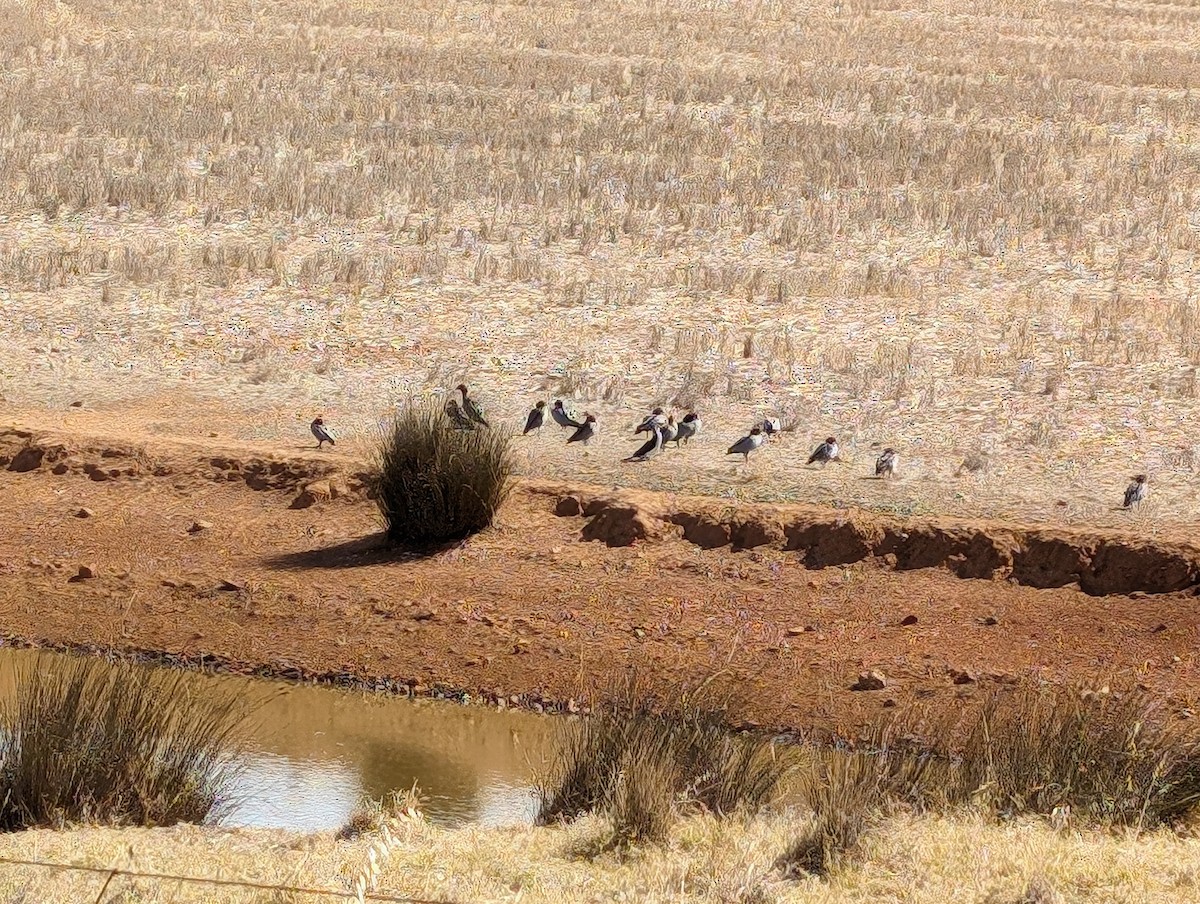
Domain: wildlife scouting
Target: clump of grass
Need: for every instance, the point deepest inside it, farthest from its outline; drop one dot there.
(643, 760)
(436, 483)
(848, 788)
(88, 741)
(1105, 756)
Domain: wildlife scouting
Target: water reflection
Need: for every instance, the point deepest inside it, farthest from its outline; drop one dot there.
(314, 752)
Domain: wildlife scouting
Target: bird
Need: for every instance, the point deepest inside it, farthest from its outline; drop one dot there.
(563, 417)
(748, 443)
(1135, 493)
(585, 432)
(655, 417)
(460, 420)
(321, 433)
(825, 453)
(472, 410)
(536, 418)
(886, 464)
(688, 427)
(670, 431)
(651, 447)
(771, 426)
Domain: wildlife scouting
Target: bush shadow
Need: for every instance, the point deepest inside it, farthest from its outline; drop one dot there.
(361, 552)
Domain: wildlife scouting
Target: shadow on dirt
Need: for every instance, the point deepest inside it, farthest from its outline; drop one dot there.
(362, 552)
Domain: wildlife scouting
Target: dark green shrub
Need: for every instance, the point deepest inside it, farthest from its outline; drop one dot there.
(436, 483)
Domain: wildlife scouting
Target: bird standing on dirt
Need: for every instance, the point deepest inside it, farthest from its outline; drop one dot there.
(748, 443)
(536, 418)
(688, 428)
(321, 433)
(469, 407)
(655, 417)
(886, 464)
(585, 432)
(825, 453)
(563, 417)
(651, 447)
(1135, 493)
(771, 426)
(460, 420)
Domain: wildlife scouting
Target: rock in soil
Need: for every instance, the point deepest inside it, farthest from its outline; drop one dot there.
(870, 681)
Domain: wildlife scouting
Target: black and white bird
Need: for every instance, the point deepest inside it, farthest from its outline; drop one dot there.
(655, 417)
(322, 433)
(887, 463)
(1135, 493)
(473, 411)
(563, 417)
(585, 432)
(651, 447)
(536, 418)
(688, 428)
(748, 443)
(670, 430)
(460, 420)
(772, 426)
(825, 453)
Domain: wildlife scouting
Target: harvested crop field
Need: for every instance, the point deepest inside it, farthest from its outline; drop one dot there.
(966, 231)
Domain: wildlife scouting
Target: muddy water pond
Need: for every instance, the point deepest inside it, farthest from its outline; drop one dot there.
(313, 753)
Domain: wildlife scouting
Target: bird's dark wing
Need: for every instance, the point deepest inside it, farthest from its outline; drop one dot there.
(584, 432)
(1130, 495)
(646, 448)
(474, 412)
(535, 419)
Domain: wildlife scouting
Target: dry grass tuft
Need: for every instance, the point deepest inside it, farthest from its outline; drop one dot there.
(643, 759)
(1108, 756)
(435, 483)
(88, 741)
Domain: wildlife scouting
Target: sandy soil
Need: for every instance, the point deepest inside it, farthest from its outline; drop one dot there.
(529, 608)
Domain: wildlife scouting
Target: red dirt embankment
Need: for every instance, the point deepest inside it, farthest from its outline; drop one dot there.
(271, 563)
(1098, 563)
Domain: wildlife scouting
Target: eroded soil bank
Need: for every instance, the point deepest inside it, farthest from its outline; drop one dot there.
(270, 563)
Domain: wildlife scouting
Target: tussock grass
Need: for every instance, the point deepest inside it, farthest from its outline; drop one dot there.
(850, 789)
(1111, 756)
(436, 483)
(644, 759)
(1106, 759)
(88, 741)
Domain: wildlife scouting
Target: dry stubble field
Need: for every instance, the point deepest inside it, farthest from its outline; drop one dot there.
(947, 227)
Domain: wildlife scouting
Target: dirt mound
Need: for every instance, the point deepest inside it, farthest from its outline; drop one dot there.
(624, 519)
(314, 480)
(1099, 564)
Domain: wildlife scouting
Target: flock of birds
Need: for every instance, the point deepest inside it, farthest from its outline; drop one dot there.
(664, 429)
